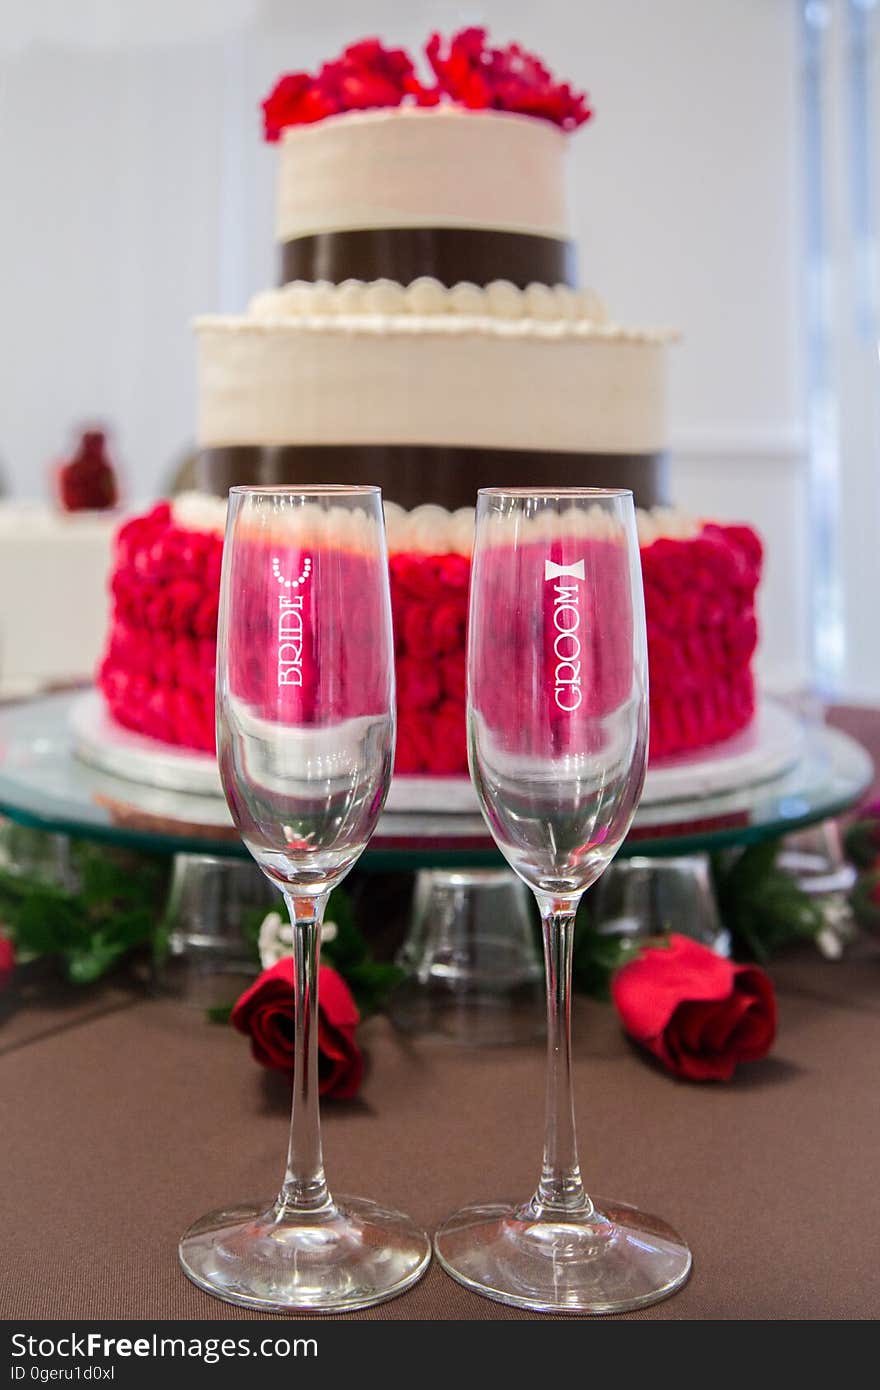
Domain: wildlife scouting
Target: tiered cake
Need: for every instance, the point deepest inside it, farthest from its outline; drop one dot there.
(428, 336)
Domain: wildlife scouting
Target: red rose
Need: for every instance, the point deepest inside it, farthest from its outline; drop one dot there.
(294, 100)
(366, 74)
(7, 961)
(266, 1012)
(698, 1013)
(506, 79)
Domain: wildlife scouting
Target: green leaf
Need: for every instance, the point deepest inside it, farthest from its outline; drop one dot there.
(88, 965)
(862, 900)
(114, 904)
(760, 905)
(861, 841)
(596, 955)
(371, 982)
(219, 1013)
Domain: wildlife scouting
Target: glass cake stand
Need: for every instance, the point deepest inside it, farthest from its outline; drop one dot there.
(660, 873)
(45, 785)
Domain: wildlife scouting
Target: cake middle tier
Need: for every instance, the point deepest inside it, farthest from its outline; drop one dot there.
(432, 407)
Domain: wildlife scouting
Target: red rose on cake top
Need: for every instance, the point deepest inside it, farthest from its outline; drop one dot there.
(467, 71)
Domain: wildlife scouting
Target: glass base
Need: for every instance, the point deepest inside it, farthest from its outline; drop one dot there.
(351, 1255)
(608, 1261)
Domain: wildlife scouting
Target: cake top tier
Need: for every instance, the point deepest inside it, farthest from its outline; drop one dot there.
(459, 176)
(415, 167)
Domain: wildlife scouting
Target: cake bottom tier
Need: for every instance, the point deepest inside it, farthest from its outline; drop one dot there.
(157, 675)
(414, 474)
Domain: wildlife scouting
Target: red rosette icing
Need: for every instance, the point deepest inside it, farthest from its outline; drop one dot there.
(702, 634)
(157, 675)
(429, 599)
(468, 72)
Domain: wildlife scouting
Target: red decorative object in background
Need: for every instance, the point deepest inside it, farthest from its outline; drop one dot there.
(87, 480)
(265, 1013)
(158, 672)
(467, 71)
(7, 961)
(697, 1013)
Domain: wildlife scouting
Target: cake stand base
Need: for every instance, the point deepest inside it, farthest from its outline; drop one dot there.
(472, 970)
(642, 898)
(608, 1259)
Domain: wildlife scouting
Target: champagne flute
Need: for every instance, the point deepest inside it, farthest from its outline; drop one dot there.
(557, 738)
(305, 743)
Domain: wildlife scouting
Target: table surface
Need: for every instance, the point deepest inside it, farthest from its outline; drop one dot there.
(123, 1118)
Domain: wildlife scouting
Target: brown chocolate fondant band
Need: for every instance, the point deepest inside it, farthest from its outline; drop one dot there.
(450, 254)
(418, 473)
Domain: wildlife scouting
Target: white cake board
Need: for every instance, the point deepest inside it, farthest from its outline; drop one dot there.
(771, 745)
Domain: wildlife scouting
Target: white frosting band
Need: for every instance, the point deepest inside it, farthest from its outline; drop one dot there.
(429, 530)
(422, 167)
(432, 530)
(427, 298)
(198, 511)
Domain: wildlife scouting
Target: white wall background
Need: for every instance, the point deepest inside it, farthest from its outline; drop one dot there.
(135, 192)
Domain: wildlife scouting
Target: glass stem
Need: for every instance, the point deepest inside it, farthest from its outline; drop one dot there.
(560, 1188)
(305, 1187)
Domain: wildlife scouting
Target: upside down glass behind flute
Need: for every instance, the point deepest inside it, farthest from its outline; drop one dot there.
(305, 742)
(557, 742)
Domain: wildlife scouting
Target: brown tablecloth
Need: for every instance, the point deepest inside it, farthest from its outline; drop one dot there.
(123, 1121)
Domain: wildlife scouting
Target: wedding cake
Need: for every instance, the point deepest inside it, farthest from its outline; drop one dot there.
(428, 335)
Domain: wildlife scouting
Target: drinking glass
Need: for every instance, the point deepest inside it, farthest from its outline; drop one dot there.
(557, 739)
(305, 742)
